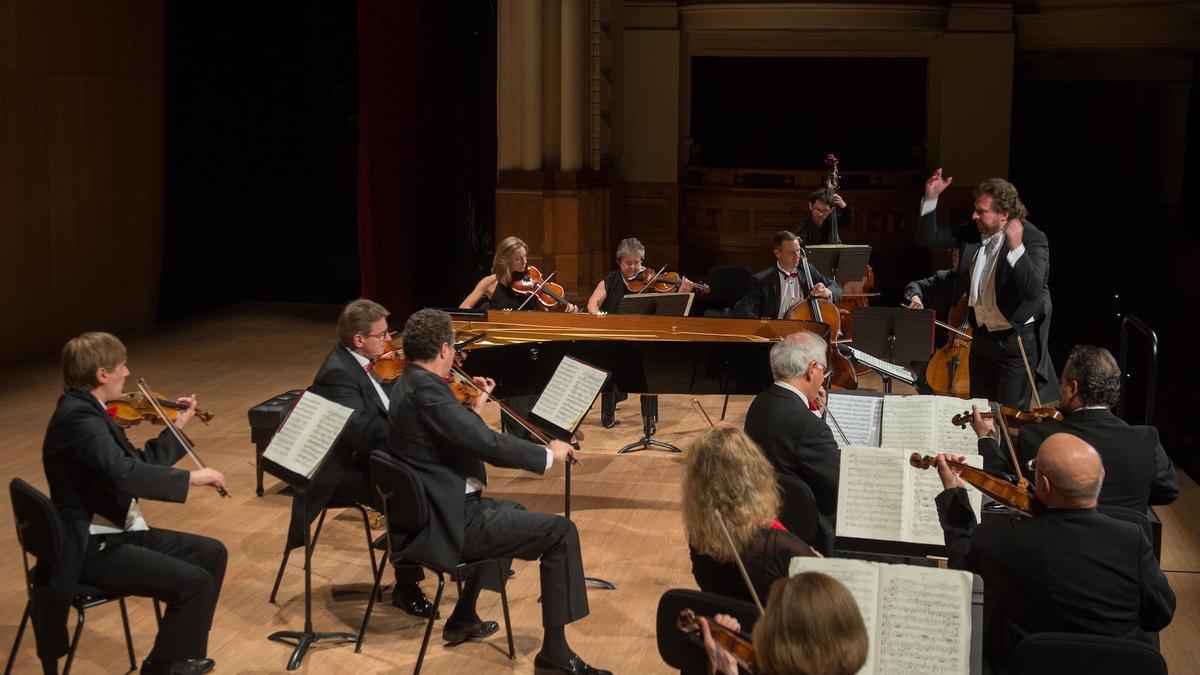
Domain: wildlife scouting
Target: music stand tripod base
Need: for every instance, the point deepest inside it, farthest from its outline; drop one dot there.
(303, 639)
(588, 581)
(649, 426)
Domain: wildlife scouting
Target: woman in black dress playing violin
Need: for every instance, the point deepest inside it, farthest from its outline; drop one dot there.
(509, 264)
(610, 290)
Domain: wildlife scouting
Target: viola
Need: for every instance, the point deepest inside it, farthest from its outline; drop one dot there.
(659, 282)
(735, 643)
(1013, 416)
(1016, 496)
(131, 408)
(549, 294)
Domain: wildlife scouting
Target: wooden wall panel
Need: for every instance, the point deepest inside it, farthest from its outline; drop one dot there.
(81, 171)
(650, 212)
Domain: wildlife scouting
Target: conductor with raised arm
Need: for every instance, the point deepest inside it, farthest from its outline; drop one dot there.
(1004, 271)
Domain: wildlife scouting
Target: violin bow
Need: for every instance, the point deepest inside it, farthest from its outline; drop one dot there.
(1035, 399)
(1012, 453)
(737, 558)
(175, 431)
(537, 290)
(703, 413)
(527, 426)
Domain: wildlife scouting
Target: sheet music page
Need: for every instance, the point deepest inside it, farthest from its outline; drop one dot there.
(307, 434)
(860, 417)
(924, 621)
(871, 493)
(921, 524)
(949, 437)
(908, 423)
(570, 393)
(862, 579)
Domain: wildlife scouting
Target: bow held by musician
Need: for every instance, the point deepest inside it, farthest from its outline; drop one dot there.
(496, 290)
(606, 297)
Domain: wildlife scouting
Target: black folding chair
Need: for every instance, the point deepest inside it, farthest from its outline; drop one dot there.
(406, 510)
(1057, 653)
(40, 533)
(674, 646)
(799, 514)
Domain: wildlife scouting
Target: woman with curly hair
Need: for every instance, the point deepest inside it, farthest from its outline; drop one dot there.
(727, 476)
(811, 626)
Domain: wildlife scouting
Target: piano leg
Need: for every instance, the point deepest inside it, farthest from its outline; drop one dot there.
(649, 426)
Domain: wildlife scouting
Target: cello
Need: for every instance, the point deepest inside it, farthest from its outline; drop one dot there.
(948, 371)
(819, 309)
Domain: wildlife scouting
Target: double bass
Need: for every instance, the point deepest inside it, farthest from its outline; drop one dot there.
(854, 293)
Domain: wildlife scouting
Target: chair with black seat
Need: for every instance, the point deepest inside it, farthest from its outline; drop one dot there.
(40, 531)
(406, 510)
(1057, 653)
(1131, 516)
(799, 510)
(331, 504)
(726, 285)
(674, 646)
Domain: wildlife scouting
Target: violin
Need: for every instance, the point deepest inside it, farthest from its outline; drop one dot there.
(131, 408)
(389, 366)
(737, 644)
(549, 294)
(1013, 416)
(1015, 496)
(188, 447)
(948, 371)
(659, 282)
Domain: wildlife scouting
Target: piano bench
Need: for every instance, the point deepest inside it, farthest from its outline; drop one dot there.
(265, 419)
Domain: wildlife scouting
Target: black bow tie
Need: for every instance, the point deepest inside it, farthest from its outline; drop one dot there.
(790, 275)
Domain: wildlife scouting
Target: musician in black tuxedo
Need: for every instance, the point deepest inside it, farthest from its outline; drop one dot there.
(96, 478)
(1005, 272)
(1137, 471)
(817, 228)
(782, 422)
(347, 377)
(446, 445)
(1068, 569)
(775, 290)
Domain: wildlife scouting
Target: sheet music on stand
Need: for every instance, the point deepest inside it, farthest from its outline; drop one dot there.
(882, 367)
(568, 397)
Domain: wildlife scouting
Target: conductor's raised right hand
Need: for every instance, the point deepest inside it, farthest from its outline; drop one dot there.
(207, 476)
(936, 184)
(563, 452)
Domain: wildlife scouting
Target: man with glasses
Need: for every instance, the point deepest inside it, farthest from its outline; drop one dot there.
(784, 423)
(778, 288)
(347, 377)
(816, 229)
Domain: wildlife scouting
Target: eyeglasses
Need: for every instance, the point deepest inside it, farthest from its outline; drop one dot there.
(385, 335)
(822, 366)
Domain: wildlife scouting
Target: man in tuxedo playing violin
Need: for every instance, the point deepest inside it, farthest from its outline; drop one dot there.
(777, 289)
(347, 377)
(446, 444)
(817, 227)
(1067, 569)
(1138, 473)
(96, 478)
(1005, 272)
(782, 423)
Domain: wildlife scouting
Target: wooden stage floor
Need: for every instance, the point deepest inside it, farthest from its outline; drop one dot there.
(626, 507)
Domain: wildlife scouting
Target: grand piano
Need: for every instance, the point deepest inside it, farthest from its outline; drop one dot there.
(645, 354)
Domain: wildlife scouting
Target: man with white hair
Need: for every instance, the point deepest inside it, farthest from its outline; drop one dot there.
(1067, 569)
(780, 419)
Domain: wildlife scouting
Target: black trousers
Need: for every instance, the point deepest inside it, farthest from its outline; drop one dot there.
(343, 480)
(499, 528)
(997, 370)
(183, 570)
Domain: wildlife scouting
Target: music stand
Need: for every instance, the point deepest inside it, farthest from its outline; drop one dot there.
(895, 334)
(302, 639)
(658, 304)
(840, 262)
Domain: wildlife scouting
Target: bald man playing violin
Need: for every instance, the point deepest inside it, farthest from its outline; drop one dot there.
(96, 478)
(1067, 569)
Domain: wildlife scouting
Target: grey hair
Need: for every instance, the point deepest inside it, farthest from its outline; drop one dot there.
(790, 356)
(630, 245)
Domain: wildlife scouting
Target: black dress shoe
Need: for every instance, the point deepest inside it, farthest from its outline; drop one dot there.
(186, 667)
(411, 599)
(544, 666)
(456, 633)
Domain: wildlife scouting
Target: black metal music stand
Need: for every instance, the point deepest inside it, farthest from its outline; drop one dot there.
(895, 334)
(840, 262)
(658, 304)
(302, 639)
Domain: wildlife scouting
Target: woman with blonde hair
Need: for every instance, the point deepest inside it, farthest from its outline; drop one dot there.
(728, 479)
(511, 260)
(811, 626)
